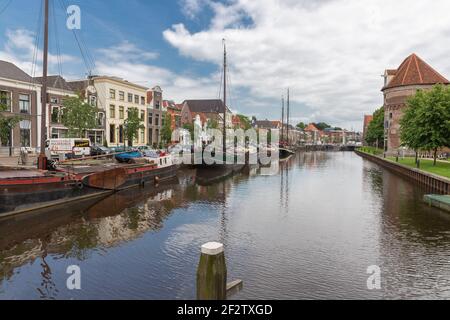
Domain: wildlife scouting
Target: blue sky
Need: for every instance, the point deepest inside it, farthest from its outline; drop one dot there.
(331, 53)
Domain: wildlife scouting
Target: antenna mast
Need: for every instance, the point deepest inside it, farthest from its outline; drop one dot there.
(42, 162)
(288, 114)
(282, 118)
(224, 99)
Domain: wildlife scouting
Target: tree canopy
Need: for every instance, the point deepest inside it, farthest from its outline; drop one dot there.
(7, 123)
(426, 122)
(245, 121)
(132, 125)
(78, 116)
(301, 126)
(322, 125)
(375, 131)
(166, 131)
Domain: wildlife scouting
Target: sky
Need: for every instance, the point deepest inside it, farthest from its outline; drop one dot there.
(330, 53)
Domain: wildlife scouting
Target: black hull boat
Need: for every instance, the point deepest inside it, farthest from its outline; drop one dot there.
(285, 153)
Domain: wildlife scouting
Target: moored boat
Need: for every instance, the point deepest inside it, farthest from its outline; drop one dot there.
(22, 190)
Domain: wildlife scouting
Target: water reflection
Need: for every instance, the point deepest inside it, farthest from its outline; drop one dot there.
(309, 231)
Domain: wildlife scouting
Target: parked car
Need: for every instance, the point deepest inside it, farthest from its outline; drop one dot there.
(97, 150)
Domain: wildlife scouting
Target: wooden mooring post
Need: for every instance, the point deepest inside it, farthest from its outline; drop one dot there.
(212, 274)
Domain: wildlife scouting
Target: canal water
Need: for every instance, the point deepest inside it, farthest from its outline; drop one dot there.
(309, 231)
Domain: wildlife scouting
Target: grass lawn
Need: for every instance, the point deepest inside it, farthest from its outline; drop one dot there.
(442, 168)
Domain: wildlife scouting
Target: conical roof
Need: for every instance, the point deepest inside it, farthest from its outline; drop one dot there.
(415, 71)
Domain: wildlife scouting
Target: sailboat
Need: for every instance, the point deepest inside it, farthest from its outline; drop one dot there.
(221, 163)
(283, 148)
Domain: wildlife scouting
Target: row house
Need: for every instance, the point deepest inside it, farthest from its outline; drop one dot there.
(57, 90)
(115, 96)
(156, 115)
(174, 111)
(209, 111)
(20, 94)
(85, 89)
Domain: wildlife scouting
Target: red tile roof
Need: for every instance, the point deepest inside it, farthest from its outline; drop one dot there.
(415, 71)
(311, 127)
(391, 72)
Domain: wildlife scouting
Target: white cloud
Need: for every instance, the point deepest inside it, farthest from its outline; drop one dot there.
(176, 86)
(19, 48)
(190, 8)
(128, 50)
(331, 53)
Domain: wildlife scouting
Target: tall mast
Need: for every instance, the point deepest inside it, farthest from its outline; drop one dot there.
(288, 114)
(42, 159)
(224, 98)
(282, 118)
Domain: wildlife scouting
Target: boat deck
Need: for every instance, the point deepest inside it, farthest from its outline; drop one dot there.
(10, 174)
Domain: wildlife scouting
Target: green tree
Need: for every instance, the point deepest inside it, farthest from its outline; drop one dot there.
(301, 126)
(189, 127)
(409, 134)
(212, 124)
(132, 125)
(166, 131)
(78, 116)
(322, 125)
(427, 117)
(246, 121)
(375, 131)
(7, 124)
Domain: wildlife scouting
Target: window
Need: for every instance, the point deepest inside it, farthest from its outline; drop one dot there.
(5, 99)
(24, 103)
(142, 135)
(93, 101)
(112, 94)
(390, 115)
(100, 119)
(130, 97)
(112, 133)
(55, 114)
(136, 99)
(157, 120)
(120, 134)
(121, 96)
(150, 118)
(143, 101)
(150, 136)
(157, 105)
(121, 112)
(143, 115)
(54, 100)
(112, 111)
(25, 133)
(6, 142)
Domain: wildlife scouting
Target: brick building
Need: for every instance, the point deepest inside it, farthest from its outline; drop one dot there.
(400, 84)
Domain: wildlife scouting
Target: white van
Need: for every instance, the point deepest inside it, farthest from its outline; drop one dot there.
(59, 148)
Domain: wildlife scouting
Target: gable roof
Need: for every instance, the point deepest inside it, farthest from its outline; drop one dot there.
(267, 124)
(9, 70)
(311, 127)
(56, 82)
(206, 106)
(415, 71)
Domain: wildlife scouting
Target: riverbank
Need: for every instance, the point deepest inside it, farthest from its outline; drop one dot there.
(439, 183)
(442, 168)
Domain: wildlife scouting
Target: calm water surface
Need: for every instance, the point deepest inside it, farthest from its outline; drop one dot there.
(308, 232)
